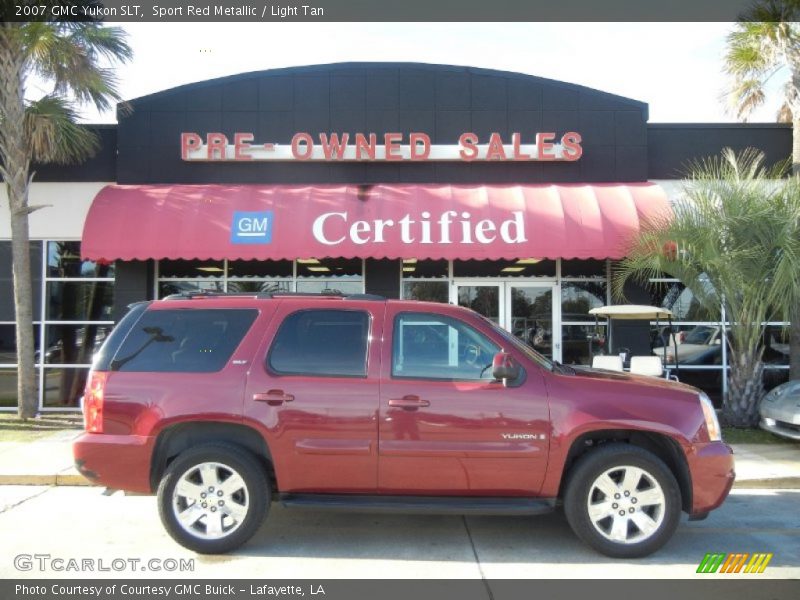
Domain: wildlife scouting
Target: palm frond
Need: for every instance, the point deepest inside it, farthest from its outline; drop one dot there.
(53, 134)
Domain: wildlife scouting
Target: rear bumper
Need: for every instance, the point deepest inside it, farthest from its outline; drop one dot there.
(121, 462)
(712, 469)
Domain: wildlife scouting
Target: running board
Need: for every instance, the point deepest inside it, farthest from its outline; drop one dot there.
(421, 504)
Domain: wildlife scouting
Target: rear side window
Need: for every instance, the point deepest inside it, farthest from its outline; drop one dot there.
(183, 341)
(321, 342)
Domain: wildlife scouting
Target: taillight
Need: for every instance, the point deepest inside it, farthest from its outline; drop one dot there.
(93, 402)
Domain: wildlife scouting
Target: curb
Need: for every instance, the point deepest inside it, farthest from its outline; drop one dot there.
(61, 479)
(776, 483)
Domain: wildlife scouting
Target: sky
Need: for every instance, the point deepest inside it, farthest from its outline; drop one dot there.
(675, 67)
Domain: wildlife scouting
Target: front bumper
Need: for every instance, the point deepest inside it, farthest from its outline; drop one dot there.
(120, 462)
(712, 469)
(779, 427)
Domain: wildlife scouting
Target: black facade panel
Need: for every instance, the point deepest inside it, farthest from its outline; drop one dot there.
(598, 163)
(525, 122)
(350, 121)
(631, 163)
(276, 93)
(133, 283)
(453, 92)
(206, 97)
(348, 92)
(556, 97)
(101, 167)
(276, 126)
(450, 124)
(671, 147)
(489, 93)
(417, 89)
(382, 277)
(312, 92)
(596, 127)
(487, 122)
(442, 101)
(630, 128)
(166, 128)
(240, 96)
(524, 95)
(382, 89)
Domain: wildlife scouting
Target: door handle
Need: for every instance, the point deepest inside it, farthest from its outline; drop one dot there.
(273, 397)
(409, 402)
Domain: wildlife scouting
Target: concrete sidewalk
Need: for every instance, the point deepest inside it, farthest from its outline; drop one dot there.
(48, 461)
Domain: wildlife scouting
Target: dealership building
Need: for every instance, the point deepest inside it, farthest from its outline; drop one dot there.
(507, 193)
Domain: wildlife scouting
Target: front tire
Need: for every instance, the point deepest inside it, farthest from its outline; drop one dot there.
(213, 498)
(622, 501)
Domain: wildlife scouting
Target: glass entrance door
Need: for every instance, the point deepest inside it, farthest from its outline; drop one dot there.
(531, 314)
(527, 310)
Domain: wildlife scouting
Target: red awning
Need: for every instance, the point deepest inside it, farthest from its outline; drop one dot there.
(137, 222)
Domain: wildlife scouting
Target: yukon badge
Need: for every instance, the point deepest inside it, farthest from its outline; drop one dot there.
(523, 436)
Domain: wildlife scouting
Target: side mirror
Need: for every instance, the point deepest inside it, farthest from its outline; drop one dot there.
(505, 367)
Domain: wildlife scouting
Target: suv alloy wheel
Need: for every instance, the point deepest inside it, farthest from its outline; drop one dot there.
(623, 501)
(213, 498)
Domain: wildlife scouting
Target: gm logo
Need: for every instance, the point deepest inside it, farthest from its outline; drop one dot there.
(251, 227)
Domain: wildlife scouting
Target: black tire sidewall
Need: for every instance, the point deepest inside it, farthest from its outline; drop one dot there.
(589, 468)
(238, 459)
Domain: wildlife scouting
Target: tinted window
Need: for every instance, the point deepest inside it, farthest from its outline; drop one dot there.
(191, 341)
(430, 346)
(321, 342)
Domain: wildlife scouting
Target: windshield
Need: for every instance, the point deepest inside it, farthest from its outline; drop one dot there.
(520, 345)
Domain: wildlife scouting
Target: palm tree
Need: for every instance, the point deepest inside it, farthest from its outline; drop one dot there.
(766, 42)
(734, 240)
(73, 57)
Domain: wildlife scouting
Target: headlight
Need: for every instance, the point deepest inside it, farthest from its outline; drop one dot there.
(712, 423)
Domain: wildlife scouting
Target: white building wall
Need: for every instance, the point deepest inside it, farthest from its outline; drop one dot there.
(65, 206)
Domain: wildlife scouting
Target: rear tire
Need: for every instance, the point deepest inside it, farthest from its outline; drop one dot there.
(213, 498)
(623, 501)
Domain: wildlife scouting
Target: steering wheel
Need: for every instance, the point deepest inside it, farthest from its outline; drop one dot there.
(472, 353)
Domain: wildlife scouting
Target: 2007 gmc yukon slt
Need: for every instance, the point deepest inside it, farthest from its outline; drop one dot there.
(223, 404)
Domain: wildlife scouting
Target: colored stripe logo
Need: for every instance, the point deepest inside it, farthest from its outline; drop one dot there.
(735, 562)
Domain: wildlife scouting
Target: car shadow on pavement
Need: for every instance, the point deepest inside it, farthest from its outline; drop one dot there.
(750, 521)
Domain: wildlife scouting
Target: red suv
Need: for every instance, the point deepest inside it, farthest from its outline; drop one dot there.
(224, 404)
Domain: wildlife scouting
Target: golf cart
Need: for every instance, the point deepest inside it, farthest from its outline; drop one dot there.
(653, 365)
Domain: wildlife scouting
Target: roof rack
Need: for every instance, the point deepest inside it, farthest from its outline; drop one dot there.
(268, 295)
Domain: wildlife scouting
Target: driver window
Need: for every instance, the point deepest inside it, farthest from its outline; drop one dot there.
(431, 346)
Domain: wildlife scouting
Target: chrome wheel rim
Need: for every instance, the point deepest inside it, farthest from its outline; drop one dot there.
(210, 500)
(626, 505)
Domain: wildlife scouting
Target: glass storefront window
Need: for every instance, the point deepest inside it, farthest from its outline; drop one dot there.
(261, 269)
(578, 297)
(63, 387)
(8, 343)
(428, 291)
(580, 343)
(483, 299)
(424, 269)
(330, 267)
(166, 288)
(80, 301)
(64, 261)
(190, 269)
(523, 267)
(680, 300)
(259, 287)
(8, 387)
(73, 344)
(311, 286)
(583, 268)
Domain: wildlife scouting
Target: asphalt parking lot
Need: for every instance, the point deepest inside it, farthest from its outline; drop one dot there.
(82, 523)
